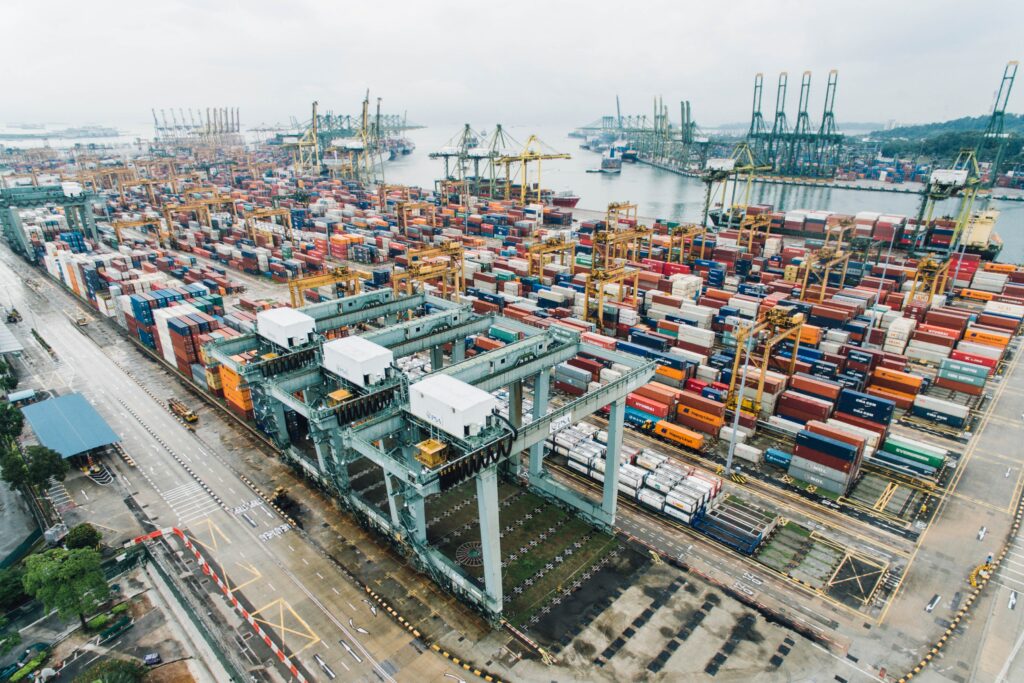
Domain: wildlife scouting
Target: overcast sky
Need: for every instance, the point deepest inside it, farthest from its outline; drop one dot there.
(526, 62)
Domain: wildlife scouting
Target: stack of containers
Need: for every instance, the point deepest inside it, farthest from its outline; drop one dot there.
(961, 376)
(869, 412)
(989, 281)
(898, 334)
(939, 411)
(827, 456)
(238, 397)
(699, 413)
(907, 455)
(899, 387)
(572, 380)
(653, 401)
(798, 407)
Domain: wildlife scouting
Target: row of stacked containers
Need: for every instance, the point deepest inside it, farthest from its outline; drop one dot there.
(852, 368)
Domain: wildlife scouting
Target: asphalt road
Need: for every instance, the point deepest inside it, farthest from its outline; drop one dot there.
(299, 596)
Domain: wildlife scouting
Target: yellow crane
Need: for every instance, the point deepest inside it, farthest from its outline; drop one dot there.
(119, 225)
(405, 209)
(257, 216)
(306, 147)
(930, 280)
(562, 249)
(718, 172)
(443, 264)
(821, 264)
(532, 153)
(682, 243)
(350, 279)
(777, 324)
(613, 246)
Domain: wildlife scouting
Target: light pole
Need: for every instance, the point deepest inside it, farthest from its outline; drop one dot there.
(739, 403)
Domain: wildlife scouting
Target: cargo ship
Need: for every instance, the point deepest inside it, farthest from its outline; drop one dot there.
(567, 199)
(979, 236)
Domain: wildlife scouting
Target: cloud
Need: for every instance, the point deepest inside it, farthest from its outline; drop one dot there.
(450, 61)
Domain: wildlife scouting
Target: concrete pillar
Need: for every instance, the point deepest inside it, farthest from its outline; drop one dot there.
(322, 447)
(436, 358)
(541, 389)
(396, 525)
(514, 464)
(458, 350)
(416, 505)
(490, 536)
(280, 424)
(612, 459)
(340, 463)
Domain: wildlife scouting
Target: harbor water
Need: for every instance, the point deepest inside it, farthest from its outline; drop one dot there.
(668, 195)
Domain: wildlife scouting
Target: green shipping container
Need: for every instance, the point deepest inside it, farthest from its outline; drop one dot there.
(913, 455)
(960, 377)
(504, 335)
(964, 368)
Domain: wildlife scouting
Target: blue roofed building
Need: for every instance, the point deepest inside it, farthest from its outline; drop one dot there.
(69, 425)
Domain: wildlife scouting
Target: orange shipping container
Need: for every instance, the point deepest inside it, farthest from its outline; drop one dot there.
(901, 377)
(809, 334)
(987, 338)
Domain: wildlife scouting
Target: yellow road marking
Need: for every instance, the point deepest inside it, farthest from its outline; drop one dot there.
(251, 569)
(284, 610)
(961, 467)
(214, 531)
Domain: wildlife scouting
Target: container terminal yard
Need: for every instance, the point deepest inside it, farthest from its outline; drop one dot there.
(470, 431)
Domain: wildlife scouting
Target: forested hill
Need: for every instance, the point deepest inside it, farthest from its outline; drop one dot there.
(1014, 123)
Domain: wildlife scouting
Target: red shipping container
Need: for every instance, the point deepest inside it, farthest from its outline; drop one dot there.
(657, 391)
(959, 386)
(705, 405)
(824, 459)
(647, 405)
(856, 421)
(965, 357)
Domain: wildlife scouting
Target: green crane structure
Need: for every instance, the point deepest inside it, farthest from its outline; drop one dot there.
(994, 134)
(803, 150)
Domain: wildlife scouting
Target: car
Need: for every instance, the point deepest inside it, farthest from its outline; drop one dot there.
(152, 659)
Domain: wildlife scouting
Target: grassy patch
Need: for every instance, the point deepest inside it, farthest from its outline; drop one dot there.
(32, 665)
(536, 596)
(98, 622)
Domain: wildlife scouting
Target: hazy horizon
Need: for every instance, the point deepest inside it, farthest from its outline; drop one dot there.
(109, 62)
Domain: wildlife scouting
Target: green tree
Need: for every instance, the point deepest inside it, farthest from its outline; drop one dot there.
(12, 592)
(44, 463)
(11, 421)
(114, 671)
(84, 535)
(69, 581)
(14, 471)
(8, 639)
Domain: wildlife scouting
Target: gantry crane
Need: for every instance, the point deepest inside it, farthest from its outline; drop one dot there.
(119, 225)
(537, 255)
(962, 179)
(306, 157)
(253, 218)
(930, 280)
(752, 226)
(443, 263)
(821, 264)
(994, 130)
(718, 172)
(682, 243)
(348, 278)
(777, 324)
(613, 247)
(531, 154)
(405, 209)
